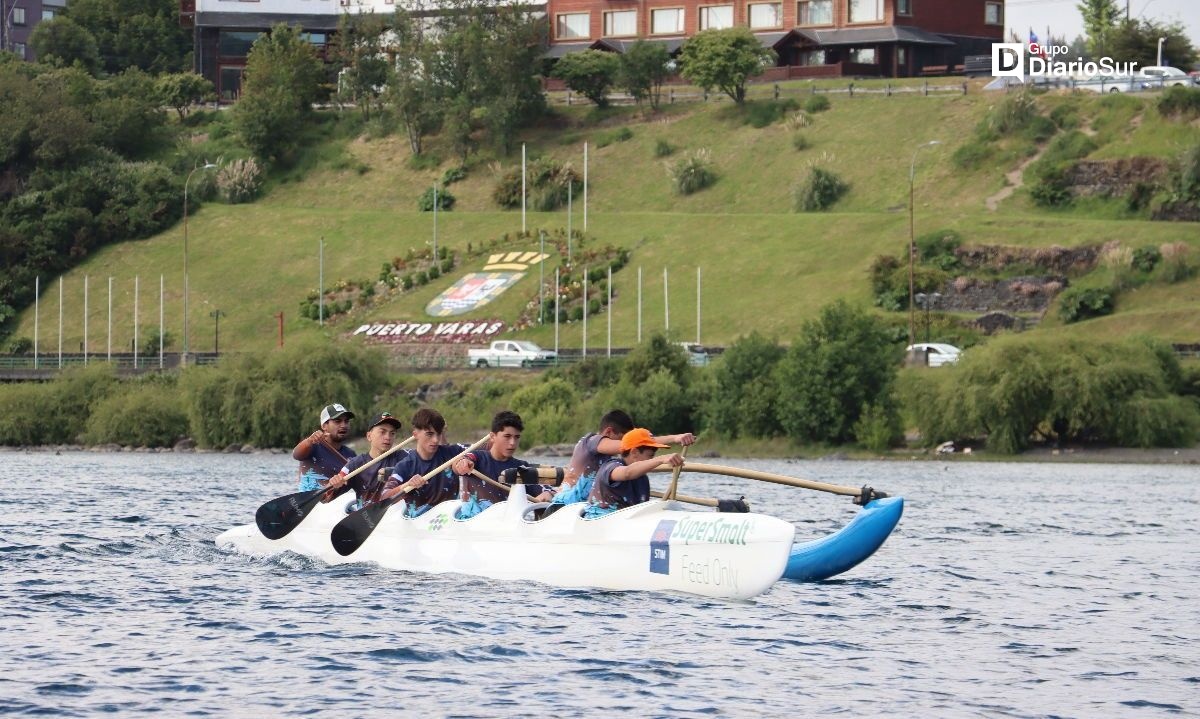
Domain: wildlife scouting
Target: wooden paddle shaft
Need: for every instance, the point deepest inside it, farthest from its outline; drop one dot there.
(703, 501)
(674, 485)
(376, 459)
(765, 477)
(489, 480)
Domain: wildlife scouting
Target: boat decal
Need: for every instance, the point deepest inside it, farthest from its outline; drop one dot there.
(709, 571)
(660, 547)
(708, 531)
(438, 522)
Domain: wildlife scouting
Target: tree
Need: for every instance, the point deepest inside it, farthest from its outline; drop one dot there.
(62, 41)
(724, 59)
(283, 78)
(411, 90)
(644, 70)
(1137, 41)
(590, 73)
(743, 403)
(181, 90)
(360, 50)
(842, 364)
(135, 33)
(1099, 20)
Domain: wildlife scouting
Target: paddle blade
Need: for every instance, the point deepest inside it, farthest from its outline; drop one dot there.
(277, 518)
(350, 533)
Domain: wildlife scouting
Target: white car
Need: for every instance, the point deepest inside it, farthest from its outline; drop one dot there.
(1164, 76)
(936, 353)
(510, 353)
(1109, 83)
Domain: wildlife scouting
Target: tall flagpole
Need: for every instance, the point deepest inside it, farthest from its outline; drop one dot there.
(109, 355)
(666, 305)
(608, 311)
(639, 305)
(556, 291)
(37, 297)
(161, 289)
(321, 279)
(697, 305)
(522, 187)
(60, 318)
(136, 287)
(585, 310)
(85, 318)
(585, 185)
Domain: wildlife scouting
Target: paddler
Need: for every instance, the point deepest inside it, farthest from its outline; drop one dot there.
(595, 448)
(322, 454)
(428, 426)
(381, 435)
(477, 495)
(622, 482)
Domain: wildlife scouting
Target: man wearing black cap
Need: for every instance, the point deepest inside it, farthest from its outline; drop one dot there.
(381, 434)
(322, 454)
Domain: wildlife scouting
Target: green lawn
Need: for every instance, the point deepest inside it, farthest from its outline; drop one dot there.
(763, 266)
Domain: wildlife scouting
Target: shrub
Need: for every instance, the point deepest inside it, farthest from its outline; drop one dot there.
(662, 148)
(621, 134)
(454, 174)
(424, 161)
(590, 73)
(239, 181)
(767, 112)
(932, 246)
(551, 393)
(1010, 115)
(820, 191)
(1145, 259)
(693, 172)
(799, 120)
(816, 103)
(547, 184)
(1177, 262)
(742, 402)
(445, 200)
(800, 142)
(1079, 303)
(143, 415)
(1052, 187)
(972, 155)
(878, 428)
(1180, 103)
(1065, 116)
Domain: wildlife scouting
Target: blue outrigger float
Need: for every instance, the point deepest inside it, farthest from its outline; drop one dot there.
(841, 551)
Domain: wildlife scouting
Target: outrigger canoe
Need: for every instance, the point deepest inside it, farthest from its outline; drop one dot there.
(654, 546)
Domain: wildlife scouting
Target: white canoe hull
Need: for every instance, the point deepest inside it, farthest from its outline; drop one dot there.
(652, 546)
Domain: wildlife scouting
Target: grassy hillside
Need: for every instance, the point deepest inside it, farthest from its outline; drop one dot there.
(764, 266)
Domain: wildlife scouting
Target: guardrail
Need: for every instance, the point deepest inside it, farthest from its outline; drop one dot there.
(671, 96)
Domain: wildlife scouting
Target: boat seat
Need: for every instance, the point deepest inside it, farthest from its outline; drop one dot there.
(534, 507)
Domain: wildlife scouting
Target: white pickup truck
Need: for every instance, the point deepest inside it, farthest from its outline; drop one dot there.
(510, 353)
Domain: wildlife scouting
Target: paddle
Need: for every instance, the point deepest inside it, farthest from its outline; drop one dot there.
(861, 496)
(350, 533)
(722, 505)
(277, 518)
(674, 485)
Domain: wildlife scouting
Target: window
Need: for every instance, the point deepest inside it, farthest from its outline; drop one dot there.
(18, 16)
(904, 7)
(863, 55)
(812, 57)
(316, 38)
(815, 12)
(666, 21)
(866, 10)
(573, 25)
(768, 14)
(620, 23)
(716, 17)
(47, 14)
(236, 44)
(19, 49)
(902, 57)
(992, 13)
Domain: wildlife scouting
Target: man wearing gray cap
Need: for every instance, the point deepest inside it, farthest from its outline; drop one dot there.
(322, 454)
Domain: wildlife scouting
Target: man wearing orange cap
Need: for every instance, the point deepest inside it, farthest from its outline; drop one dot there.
(622, 482)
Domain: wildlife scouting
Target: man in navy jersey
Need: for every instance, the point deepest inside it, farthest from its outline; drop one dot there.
(322, 454)
(428, 427)
(381, 435)
(594, 449)
(478, 495)
(623, 482)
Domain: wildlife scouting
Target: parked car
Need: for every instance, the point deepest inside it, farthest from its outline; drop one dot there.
(697, 357)
(510, 353)
(936, 353)
(1109, 83)
(1155, 76)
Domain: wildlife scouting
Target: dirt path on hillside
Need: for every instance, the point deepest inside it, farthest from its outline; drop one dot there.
(1016, 179)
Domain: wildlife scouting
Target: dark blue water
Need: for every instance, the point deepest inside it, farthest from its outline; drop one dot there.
(1008, 590)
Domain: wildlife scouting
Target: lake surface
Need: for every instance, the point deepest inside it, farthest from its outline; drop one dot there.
(1008, 590)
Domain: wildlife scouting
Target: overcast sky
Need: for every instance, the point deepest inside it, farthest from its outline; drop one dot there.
(1062, 16)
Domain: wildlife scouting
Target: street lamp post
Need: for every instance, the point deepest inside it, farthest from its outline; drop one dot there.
(195, 168)
(1161, 40)
(928, 302)
(216, 315)
(912, 175)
